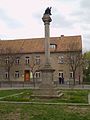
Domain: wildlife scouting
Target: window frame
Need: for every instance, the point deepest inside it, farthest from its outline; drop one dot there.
(37, 60)
(71, 75)
(37, 74)
(7, 60)
(53, 46)
(6, 75)
(17, 75)
(60, 59)
(27, 60)
(61, 74)
(17, 61)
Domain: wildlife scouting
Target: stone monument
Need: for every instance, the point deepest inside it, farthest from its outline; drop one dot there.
(46, 88)
(47, 70)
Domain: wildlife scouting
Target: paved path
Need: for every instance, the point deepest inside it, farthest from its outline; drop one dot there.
(45, 103)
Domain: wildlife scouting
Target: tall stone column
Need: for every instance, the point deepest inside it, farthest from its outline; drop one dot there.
(46, 88)
(47, 19)
(47, 70)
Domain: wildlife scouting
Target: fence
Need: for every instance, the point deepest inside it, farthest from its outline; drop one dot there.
(7, 84)
(18, 84)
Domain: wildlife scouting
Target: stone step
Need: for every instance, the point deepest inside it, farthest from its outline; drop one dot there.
(50, 93)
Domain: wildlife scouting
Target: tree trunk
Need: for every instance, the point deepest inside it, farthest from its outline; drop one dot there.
(74, 78)
(33, 80)
(8, 74)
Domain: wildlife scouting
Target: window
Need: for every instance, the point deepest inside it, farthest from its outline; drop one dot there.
(37, 60)
(61, 78)
(53, 46)
(6, 75)
(71, 74)
(16, 74)
(72, 59)
(17, 60)
(7, 60)
(37, 75)
(61, 74)
(61, 59)
(27, 60)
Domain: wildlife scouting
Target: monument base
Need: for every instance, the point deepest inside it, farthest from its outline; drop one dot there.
(46, 93)
(46, 88)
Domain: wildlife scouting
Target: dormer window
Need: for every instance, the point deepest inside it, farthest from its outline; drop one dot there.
(53, 46)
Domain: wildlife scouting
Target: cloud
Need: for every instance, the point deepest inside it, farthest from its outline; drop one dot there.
(84, 17)
(81, 16)
(23, 18)
(85, 4)
(85, 27)
(85, 7)
(60, 19)
(66, 1)
(10, 22)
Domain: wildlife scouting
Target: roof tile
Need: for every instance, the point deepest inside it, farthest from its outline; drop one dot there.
(37, 44)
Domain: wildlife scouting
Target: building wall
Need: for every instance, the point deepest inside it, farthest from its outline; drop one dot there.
(62, 67)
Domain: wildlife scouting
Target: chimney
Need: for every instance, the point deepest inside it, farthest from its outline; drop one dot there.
(62, 35)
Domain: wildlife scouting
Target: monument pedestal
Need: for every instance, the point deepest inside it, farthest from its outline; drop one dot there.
(46, 88)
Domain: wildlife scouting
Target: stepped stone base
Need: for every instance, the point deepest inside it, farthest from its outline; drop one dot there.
(46, 91)
(46, 88)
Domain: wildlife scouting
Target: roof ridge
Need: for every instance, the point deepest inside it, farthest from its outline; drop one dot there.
(38, 38)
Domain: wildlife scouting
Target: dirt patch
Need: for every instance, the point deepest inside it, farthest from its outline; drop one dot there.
(78, 109)
(10, 116)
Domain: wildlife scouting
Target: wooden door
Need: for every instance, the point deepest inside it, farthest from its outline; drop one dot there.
(27, 75)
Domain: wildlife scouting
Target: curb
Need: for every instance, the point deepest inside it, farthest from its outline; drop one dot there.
(42, 103)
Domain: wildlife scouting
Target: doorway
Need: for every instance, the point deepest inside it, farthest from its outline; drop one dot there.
(61, 78)
(27, 75)
(61, 74)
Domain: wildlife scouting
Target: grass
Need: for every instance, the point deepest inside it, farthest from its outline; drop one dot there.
(10, 92)
(9, 111)
(43, 112)
(70, 96)
(75, 96)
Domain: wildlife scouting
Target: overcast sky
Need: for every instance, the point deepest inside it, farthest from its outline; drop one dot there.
(23, 19)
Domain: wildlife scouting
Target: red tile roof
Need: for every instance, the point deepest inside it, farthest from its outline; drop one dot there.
(63, 43)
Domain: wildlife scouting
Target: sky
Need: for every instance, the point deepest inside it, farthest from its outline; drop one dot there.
(21, 19)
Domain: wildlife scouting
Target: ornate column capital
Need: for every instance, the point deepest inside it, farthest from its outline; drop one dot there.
(46, 19)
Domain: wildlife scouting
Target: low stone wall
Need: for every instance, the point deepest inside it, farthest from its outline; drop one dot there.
(17, 84)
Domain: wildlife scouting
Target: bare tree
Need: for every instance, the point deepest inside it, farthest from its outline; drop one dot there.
(34, 65)
(74, 59)
(8, 56)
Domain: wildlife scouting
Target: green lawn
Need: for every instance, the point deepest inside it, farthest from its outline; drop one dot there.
(43, 112)
(10, 92)
(69, 96)
(20, 111)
